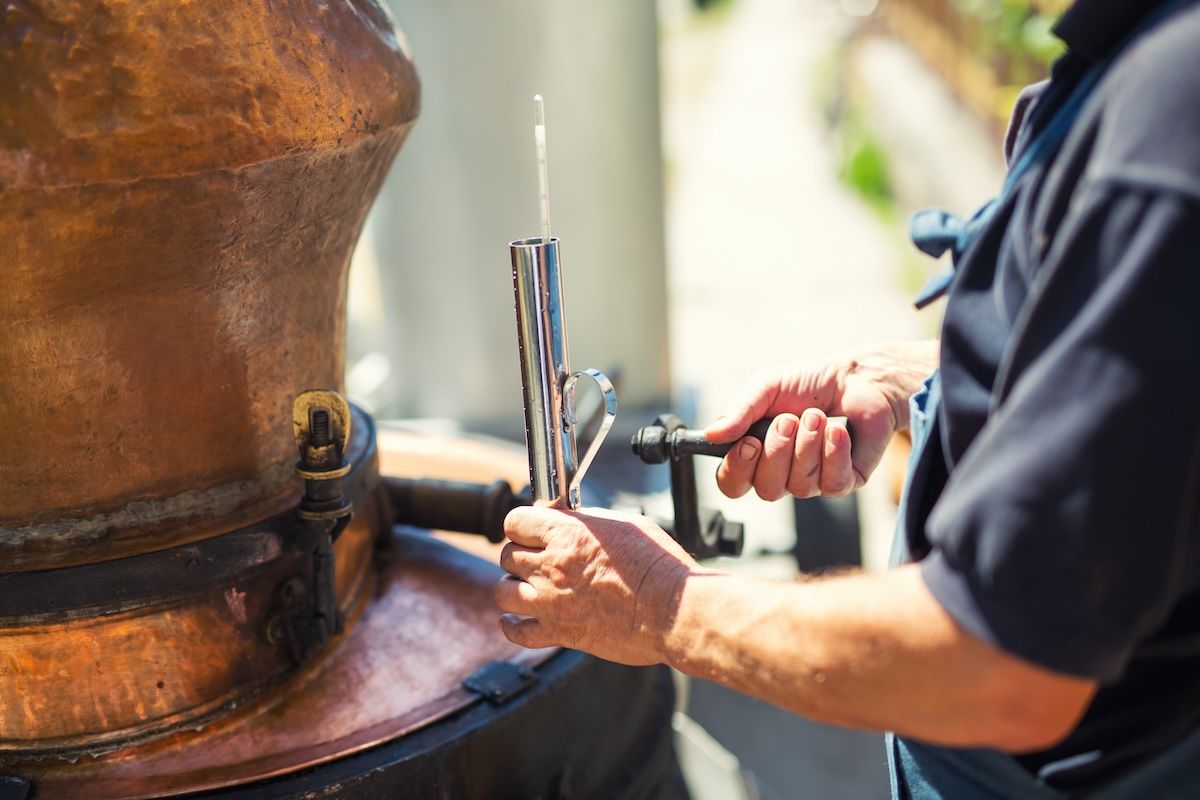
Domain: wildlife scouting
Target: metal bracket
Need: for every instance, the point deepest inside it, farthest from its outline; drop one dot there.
(703, 533)
(500, 681)
(309, 615)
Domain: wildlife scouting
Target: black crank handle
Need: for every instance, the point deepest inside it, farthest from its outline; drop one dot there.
(654, 445)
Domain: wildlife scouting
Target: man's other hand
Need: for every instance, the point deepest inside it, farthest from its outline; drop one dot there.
(806, 454)
(601, 582)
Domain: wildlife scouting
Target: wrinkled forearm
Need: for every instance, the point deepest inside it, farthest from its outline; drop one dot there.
(867, 651)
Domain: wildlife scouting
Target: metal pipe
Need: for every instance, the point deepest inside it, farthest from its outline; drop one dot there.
(547, 382)
(477, 508)
(542, 340)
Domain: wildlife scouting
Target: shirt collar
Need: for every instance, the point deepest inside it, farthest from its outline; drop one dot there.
(1094, 27)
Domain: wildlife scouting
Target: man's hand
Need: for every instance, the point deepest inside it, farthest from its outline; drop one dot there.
(601, 582)
(805, 454)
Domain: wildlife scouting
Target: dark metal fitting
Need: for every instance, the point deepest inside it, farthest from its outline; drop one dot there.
(702, 532)
(478, 508)
(500, 681)
(730, 536)
(321, 428)
(276, 630)
(309, 614)
(344, 508)
(656, 444)
(13, 787)
(326, 474)
(650, 444)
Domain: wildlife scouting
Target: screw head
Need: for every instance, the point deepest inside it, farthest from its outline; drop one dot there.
(276, 631)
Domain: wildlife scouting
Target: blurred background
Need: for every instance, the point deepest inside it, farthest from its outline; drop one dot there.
(730, 181)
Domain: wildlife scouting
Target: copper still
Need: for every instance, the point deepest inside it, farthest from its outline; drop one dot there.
(181, 187)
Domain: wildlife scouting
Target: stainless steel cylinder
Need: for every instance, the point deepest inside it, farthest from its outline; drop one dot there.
(545, 366)
(547, 382)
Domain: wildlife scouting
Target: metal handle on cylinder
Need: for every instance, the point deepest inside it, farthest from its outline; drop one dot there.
(547, 382)
(610, 416)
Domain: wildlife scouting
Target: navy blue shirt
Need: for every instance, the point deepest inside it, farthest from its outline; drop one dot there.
(1059, 519)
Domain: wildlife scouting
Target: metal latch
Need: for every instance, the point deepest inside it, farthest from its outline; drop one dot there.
(500, 681)
(309, 614)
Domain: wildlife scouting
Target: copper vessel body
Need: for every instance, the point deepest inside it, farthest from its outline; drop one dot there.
(182, 187)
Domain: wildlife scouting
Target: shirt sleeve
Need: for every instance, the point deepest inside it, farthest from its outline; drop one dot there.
(1067, 531)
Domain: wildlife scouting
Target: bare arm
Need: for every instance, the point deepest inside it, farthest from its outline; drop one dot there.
(867, 651)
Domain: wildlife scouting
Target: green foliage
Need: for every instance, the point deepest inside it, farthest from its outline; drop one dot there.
(862, 160)
(1038, 40)
(713, 10)
(1013, 35)
(864, 166)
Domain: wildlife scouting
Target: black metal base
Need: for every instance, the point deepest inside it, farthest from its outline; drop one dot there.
(586, 729)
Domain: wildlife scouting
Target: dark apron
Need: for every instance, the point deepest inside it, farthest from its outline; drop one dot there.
(925, 772)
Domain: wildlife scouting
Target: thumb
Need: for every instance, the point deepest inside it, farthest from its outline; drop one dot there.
(751, 405)
(525, 631)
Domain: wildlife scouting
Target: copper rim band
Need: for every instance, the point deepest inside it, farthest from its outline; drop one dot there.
(166, 576)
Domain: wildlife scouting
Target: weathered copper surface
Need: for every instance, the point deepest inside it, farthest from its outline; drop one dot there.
(87, 682)
(429, 623)
(181, 185)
